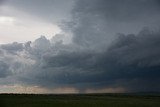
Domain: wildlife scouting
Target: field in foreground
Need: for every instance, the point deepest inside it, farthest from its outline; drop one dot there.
(81, 100)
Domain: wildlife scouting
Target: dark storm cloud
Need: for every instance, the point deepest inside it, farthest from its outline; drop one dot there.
(95, 59)
(4, 70)
(122, 10)
(131, 61)
(1, 1)
(95, 22)
(14, 47)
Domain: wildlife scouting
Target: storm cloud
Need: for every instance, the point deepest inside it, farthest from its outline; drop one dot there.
(4, 69)
(1, 1)
(111, 48)
(131, 61)
(95, 22)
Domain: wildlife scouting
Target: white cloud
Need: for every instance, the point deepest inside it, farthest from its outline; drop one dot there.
(16, 25)
(6, 20)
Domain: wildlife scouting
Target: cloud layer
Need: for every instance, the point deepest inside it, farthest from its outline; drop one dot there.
(131, 61)
(95, 22)
(107, 52)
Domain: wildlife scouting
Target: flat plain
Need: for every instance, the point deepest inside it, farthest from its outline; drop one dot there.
(79, 100)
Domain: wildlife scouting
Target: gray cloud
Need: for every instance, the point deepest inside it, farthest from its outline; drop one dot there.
(4, 70)
(1, 1)
(14, 47)
(95, 59)
(49, 10)
(131, 62)
(95, 22)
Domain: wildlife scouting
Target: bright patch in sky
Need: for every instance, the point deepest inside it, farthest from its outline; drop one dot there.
(6, 20)
(18, 26)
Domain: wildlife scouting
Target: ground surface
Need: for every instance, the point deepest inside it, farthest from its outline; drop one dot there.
(90, 100)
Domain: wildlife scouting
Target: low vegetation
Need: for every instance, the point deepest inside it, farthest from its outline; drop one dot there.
(79, 100)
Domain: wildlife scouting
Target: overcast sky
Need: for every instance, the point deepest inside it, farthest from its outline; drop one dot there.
(24, 20)
(87, 46)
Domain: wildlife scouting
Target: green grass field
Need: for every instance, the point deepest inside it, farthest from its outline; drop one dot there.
(81, 100)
